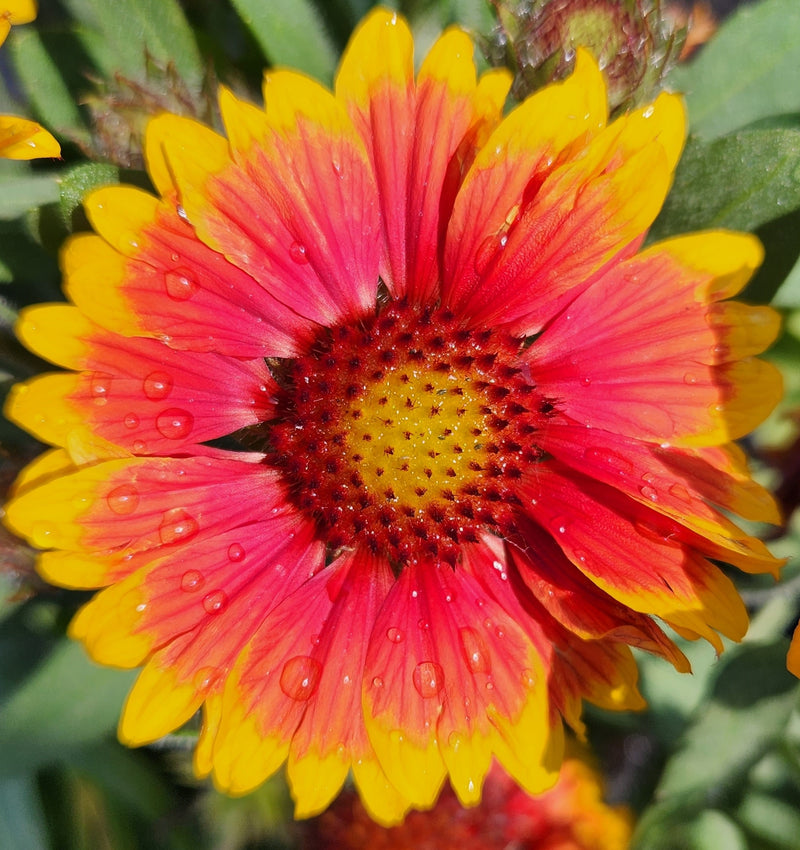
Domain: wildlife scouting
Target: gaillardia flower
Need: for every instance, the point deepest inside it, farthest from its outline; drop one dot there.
(384, 438)
(19, 137)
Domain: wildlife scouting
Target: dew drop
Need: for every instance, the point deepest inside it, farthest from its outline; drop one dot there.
(139, 446)
(99, 385)
(428, 678)
(174, 423)
(528, 678)
(131, 421)
(689, 378)
(215, 602)
(377, 682)
(297, 251)
(649, 492)
(236, 552)
(192, 580)
(488, 251)
(423, 624)
(680, 492)
(561, 524)
(180, 285)
(300, 677)
(474, 650)
(123, 500)
(338, 169)
(157, 385)
(395, 635)
(206, 678)
(454, 741)
(177, 526)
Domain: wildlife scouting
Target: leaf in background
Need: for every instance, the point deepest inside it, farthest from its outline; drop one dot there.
(21, 816)
(120, 35)
(65, 703)
(740, 182)
(24, 192)
(291, 33)
(749, 70)
(40, 73)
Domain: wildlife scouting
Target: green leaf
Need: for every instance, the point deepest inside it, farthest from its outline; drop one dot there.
(747, 711)
(291, 33)
(65, 703)
(40, 73)
(77, 182)
(121, 35)
(771, 819)
(23, 192)
(749, 70)
(740, 182)
(21, 817)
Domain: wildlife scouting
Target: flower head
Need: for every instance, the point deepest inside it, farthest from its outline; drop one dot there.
(570, 816)
(20, 138)
(384, 439)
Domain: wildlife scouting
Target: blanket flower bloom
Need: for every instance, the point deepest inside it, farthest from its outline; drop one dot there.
(571, 815)
(384, 439)
(19, 137)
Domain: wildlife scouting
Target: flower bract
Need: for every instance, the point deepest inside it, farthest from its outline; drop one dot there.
(382, 432)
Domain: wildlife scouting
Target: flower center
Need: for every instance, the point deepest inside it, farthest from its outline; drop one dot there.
(405, 432)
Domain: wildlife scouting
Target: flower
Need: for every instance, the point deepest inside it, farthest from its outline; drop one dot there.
(382, 435)
(20, 138)
(569, 816)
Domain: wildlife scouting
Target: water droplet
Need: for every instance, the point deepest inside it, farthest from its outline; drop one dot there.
(123, 500)
(174, 423)
(490, 686)
(454, 741)
(395, 635)
(99, 385)
(474, 650)
(528, 678)
(689, 378)
(449, 597)
(488, 251)
(423, 624)
(215, 602)
(338, 168)
(297, 251)
(428, 678)
(300, 677)
(236, 552)
(131, 421)
(561, 524)
(206, 678)
(157, 385)
(192, 580)
(680, 492)
(377, 682)
(139, 447)
(177, 526)
(180, 284)
(605, 457)
(649, 492)
(586, 380)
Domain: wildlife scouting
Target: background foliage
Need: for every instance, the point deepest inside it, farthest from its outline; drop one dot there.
(714, 763)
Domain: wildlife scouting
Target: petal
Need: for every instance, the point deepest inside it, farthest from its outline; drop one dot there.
(649, 367)
(136, 393)
(793, 658)
(673, 482)
(283, 208)
(297, 687)
(160, 280)
(634, 554)
(23, 139)
(567, 222)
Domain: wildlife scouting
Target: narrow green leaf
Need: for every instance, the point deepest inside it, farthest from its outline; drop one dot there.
(741, 181)
(771, 819)
(132, 30)
(43, 83)
(291, 33)
(725, 93)
(18, 194)
(21, 817)
(65, 703)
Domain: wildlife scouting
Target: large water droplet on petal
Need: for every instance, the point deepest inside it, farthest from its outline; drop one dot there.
(180, 284)
(428, 678)
(157, 385)
(177, 526)
(215, 602)
(395, 635)
(236, 552)
(680, 492)
(174, 423)
(123, 500)
(131, 421)
(300, 677)
(474, 650)
(192, 580)
(297, 251)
